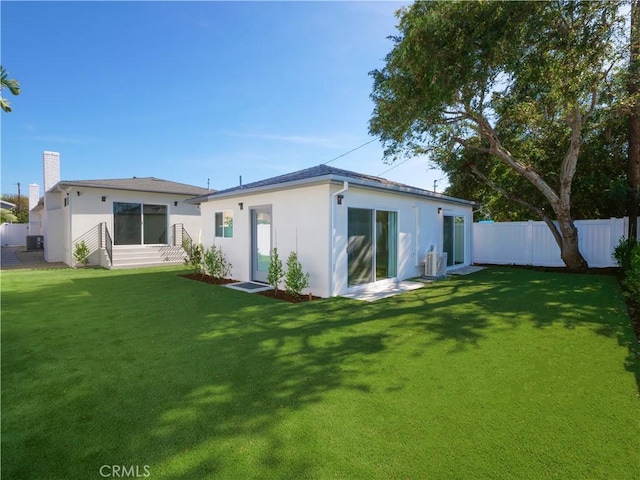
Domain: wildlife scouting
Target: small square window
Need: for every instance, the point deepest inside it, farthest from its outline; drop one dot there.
(224, 224)
(66, 201)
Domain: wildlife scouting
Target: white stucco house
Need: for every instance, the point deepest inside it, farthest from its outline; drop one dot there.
(124, 222)
(350, 231)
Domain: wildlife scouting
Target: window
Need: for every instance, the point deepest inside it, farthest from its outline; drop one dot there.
(224, 224)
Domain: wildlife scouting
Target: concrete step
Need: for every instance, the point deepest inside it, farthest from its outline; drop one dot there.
(147, 256)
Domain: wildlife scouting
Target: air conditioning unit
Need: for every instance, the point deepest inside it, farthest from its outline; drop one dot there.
(435, 264)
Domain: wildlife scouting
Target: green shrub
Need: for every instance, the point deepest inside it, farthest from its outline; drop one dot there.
(295, 279)
(81, 253)
(216, 264)
(627, 256)
(194, 257)
(631, 280)
(623, 252)
(276, 272)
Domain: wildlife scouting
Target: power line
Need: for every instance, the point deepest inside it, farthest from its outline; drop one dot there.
(395, 166)
(347, 153)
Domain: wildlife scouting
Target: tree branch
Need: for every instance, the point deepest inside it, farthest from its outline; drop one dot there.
(538, 211)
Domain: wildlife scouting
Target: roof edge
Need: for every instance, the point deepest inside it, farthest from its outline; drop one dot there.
(328, 178)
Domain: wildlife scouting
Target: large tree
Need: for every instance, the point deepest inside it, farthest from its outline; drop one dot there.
(599, 188)
(512, 86)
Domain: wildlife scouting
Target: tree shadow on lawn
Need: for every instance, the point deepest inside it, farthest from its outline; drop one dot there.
(202, 380)
(467, 308)
(191, 381)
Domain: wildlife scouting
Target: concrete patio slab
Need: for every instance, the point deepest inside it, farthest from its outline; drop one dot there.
(19, 258)
(378, 292)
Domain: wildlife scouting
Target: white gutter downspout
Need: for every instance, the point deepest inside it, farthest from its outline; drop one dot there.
(332, 237)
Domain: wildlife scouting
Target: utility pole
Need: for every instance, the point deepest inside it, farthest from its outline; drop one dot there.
(18, 206)
(435, 184)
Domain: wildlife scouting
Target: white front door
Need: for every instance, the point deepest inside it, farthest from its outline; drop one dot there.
(260, 243)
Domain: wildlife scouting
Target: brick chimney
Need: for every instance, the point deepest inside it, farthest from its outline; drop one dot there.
(34, 195)
(51, 167)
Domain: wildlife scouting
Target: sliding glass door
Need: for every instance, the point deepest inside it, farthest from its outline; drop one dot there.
(137, 223)
(453, 239)
(360, 246)
(372, 252)
(154, 224)
(127, 223)
(386, 244)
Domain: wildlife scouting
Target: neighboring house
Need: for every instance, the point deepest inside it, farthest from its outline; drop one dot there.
(124, 222)
(7, 205)
(350, 231)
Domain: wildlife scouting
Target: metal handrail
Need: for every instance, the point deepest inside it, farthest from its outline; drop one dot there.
(106, 242)
(181, 238)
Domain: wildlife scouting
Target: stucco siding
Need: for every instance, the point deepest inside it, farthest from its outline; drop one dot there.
(309, 220)
(79, 219)
(419, 229)
(300, 223)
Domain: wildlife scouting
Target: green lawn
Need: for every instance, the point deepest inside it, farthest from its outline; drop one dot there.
(505, 373)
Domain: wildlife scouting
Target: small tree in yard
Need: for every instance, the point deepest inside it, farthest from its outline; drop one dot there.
(216, 264)
(296, 280)
(194, 257)
(276, 272)
(81, 253)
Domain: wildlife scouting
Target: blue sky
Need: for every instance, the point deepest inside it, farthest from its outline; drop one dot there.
(191, 91)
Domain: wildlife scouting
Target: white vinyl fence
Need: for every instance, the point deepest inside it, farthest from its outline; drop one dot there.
(13, 234)
(531, 243)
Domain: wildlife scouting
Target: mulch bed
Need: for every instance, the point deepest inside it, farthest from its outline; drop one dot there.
(278, 294)
(208, 279)
(282, 295)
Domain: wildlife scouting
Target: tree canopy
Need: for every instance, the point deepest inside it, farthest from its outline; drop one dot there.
(506, 92)
(21, 209)
(7, 216)
(10, 83)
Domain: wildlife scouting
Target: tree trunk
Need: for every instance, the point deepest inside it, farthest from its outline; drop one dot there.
(561, 203)
(569, 251)
(633, 171)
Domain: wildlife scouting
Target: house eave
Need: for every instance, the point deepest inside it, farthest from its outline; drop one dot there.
(334, 179)
(64, 185)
